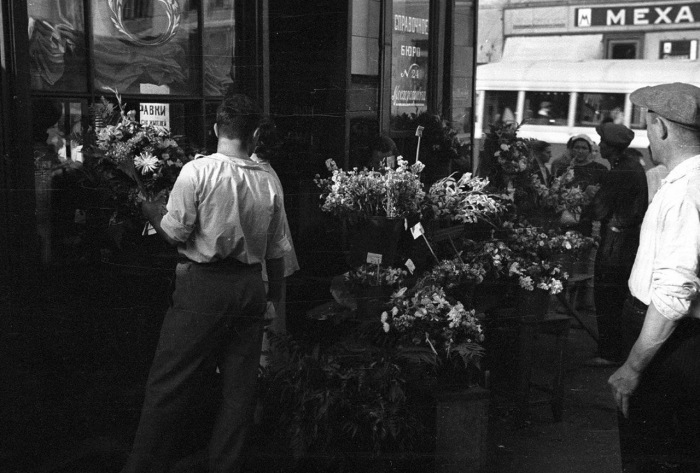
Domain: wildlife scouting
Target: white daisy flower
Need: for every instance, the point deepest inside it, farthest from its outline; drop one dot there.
(146, 162)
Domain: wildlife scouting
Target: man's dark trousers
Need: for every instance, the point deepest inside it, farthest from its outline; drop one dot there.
(215, 320)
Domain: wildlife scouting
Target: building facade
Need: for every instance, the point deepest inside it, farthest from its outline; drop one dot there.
(331, 74)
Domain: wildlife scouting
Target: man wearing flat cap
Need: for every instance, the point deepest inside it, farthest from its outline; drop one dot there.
(657, 389)
(619, 205)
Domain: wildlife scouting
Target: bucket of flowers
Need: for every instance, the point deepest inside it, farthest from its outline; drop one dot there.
(423, 318)
(371, 286)
(453, 202)
(537, 280)
(374, 204)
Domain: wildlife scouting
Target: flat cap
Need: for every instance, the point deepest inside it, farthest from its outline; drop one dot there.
(678, 102)
(615, 135)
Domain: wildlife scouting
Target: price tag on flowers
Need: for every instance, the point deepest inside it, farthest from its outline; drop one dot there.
(374, 258)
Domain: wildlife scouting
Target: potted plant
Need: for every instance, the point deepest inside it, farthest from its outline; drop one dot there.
(374, 204)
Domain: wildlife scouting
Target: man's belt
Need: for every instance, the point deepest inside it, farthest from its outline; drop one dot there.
(230, 261)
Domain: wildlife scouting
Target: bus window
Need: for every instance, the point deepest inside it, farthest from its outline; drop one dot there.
(499, 106)
(546, 108)
(639, 118)
(591, 109)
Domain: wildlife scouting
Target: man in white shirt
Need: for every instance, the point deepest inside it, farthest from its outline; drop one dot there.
(657, 389)
(225, 217)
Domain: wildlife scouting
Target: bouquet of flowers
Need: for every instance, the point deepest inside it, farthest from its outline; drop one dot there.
(562, 196)
(375, 275)
(511, 152)
(146, 154)
(425, 317)
(462, 200)
(359, 194)
(571, 242)
(452, 272)
(538, 273)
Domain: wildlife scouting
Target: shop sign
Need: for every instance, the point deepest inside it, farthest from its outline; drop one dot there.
(157, 114)
(409, 77)
(640, 15)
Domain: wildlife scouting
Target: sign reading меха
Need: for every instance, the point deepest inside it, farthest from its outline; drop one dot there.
(639, 15)
(157, 114)
(409, 58)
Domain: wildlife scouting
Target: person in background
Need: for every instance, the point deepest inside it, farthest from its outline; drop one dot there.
(384, 152)
(264, 149)
(542, 153)
(561, 164)
(619, 205)
(657, 389)
(655, 175)
(225, 217)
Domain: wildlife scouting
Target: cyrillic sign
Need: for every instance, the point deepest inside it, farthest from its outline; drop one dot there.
(639, 15)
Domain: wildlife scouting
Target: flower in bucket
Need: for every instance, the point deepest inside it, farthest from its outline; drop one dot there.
(375, 275)
(146, 154)
(511, 152)
(571, 242)
(363, 193)
(424, 316)
(462, 200)
(452, 272)
(535, 273)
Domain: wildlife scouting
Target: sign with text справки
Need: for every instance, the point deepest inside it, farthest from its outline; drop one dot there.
(157, 114)
(409, 58)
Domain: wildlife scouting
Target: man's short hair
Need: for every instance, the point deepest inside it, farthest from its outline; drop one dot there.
(237, 117)
(539, 146)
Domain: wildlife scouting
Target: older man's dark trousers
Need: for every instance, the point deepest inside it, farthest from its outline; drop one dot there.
(214, 320)
(664, 412)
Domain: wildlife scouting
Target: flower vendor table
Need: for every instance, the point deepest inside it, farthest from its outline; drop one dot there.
(510, 358)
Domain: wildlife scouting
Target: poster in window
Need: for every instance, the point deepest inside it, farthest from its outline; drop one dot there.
(409, 64)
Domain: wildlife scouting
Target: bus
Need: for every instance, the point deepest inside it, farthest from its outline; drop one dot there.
(555, 100)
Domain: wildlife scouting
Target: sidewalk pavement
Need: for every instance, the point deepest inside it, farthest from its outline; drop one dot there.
(585, 441)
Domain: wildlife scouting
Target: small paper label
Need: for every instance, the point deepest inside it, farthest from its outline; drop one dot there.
(409, 264)
(417, 230)
(374, 258)
(419, 130)
(148, 229)
(79, 216)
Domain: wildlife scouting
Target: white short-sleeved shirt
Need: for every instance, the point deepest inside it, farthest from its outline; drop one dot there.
(665, 271)
(226, 207)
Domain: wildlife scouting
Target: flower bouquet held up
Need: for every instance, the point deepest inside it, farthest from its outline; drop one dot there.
(564, 198)
(145, 154)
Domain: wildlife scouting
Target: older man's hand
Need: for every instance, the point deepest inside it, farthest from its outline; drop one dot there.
(624, 382)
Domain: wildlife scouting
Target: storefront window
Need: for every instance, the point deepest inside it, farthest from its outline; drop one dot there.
(57, 45)
(499, 106)
(409, 61)
(546, 108)
(463, 66)
(218, 46)
(594, 108)
(146, 47)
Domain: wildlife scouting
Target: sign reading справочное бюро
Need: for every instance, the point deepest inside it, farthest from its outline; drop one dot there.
(409, 58)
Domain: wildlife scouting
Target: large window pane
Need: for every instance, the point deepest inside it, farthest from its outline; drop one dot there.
(409, 61)
(591, 109)
(219, 45)
(146, 46)
(546, 108)
(57, 45)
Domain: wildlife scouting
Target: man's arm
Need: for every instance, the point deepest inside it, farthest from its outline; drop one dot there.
(153, 211)
(655, 332)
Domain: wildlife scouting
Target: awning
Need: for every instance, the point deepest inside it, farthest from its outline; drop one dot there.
(554, 48)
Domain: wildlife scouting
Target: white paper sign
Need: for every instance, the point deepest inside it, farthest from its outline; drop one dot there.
(409, 264)
(157, 114)
(374, 258)
(417, 230)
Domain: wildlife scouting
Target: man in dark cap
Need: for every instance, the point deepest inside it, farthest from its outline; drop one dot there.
(657, 389)
(619, 205)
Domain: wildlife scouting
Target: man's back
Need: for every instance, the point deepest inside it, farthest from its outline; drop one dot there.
(226, 207)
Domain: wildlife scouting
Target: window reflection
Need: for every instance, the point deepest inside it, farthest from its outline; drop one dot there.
(219, 46)
(56, 45)
(145, 47)
(499, 107)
